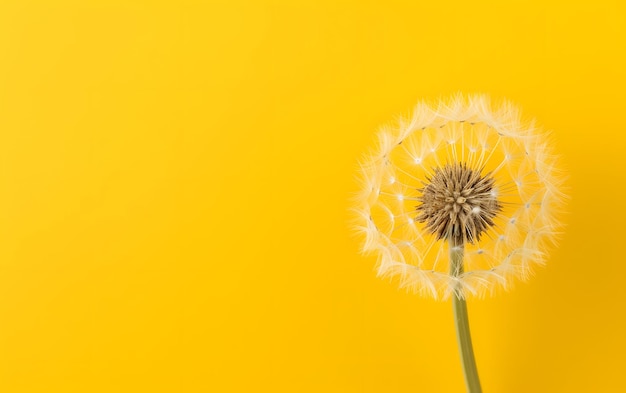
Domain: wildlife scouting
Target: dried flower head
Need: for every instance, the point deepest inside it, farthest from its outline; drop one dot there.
(458, 203)
(464, 174)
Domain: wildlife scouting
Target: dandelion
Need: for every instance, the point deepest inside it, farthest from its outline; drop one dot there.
(459, 200)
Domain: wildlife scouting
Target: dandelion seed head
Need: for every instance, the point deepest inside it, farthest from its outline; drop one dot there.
(463, 171)
(453, 193)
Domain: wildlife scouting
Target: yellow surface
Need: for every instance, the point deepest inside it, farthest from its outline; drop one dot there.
(174, 184)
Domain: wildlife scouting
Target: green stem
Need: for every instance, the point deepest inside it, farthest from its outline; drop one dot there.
(461, 321)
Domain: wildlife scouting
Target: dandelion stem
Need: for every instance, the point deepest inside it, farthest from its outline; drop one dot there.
(461, 321)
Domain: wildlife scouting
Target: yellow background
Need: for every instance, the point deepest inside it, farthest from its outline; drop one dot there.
(174, 186)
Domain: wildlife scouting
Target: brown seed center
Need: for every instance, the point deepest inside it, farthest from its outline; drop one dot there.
(458, 204)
